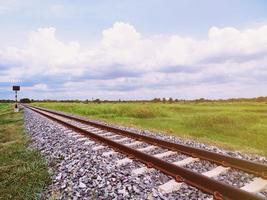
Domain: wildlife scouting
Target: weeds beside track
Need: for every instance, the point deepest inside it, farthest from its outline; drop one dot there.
(23, 172)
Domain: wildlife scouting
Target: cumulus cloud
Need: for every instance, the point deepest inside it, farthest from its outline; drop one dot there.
(124, 62)
(45, 55)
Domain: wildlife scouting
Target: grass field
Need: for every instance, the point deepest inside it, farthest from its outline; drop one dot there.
(23, 173)
(241, 126)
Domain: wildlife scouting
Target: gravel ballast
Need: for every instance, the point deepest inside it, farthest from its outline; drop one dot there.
(201, 166)
(235, 178)
(79, 172)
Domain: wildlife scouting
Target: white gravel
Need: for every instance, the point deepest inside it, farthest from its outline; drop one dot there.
(235, 178)
(201, 166)
(78, 172)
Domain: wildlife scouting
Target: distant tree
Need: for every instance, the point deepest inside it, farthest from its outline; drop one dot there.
(156, 100)
(200, 100)
(6, 101)
(25, 100)
(164, 100)
(97, 101)
(170, 100)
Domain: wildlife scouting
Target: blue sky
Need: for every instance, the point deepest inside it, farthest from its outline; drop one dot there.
(133, 49)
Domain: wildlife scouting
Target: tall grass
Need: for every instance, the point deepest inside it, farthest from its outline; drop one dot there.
(23, 173)
(241, 126)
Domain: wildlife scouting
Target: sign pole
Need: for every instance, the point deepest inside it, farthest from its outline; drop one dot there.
(16, 89)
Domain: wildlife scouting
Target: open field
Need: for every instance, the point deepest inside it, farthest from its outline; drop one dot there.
(23, 173)
(240, 126)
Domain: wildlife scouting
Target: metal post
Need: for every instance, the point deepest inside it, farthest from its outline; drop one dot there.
(16, 89)
(16, 109)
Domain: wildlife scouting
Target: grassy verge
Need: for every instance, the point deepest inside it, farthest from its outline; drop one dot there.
(241, 126)
(23, 173)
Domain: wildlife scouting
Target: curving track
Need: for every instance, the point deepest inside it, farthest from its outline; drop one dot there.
(199, 168)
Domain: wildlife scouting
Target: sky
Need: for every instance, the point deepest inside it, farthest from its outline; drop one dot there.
(133, 49)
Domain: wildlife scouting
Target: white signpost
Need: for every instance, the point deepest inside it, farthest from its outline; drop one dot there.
(16, 89)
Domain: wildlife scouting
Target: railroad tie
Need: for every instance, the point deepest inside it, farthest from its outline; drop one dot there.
(216, 171)
(99, 133)
(104, 134)
(92, 129)
(98, 148)
(142, 170)
(89, 129)
(148, 148)
(165, 154)
(84, 126)
(170, 186)
(112, 136)
(133, 143)
(122, 140)
(185, 161)
(257, 185)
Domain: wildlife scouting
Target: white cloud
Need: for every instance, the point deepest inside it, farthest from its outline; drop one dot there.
(45, 49)
(125, 62)
(44, 55)
(37, 87)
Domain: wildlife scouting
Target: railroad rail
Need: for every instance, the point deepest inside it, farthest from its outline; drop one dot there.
(203, 182)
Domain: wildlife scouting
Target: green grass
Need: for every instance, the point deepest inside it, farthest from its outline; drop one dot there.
(23, 172)
(239, 126)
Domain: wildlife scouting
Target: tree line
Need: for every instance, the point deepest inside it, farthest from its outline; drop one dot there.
(155, 100)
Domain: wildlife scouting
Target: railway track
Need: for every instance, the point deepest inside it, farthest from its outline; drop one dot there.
(170, 158)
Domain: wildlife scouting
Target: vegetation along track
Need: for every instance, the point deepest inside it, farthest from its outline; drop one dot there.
(127, 142)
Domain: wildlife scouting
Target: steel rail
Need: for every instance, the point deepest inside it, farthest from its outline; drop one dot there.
(219, 190)
(224, 160)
